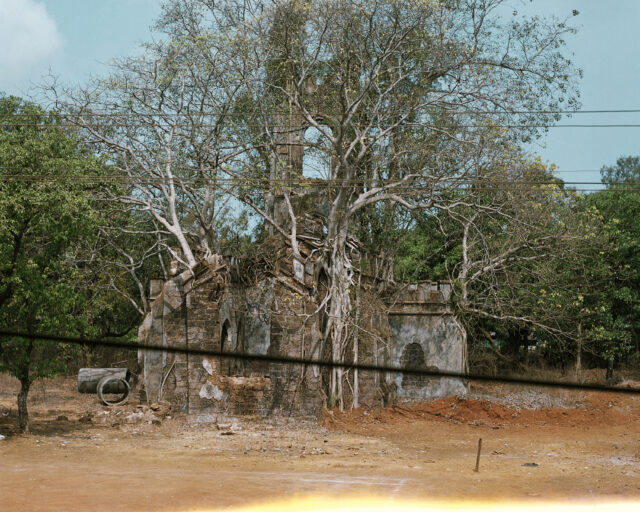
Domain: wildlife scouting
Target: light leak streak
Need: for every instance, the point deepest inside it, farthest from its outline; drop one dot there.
(376, 504)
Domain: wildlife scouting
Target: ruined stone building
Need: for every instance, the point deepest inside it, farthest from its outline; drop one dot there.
(269, 305)
(275, 312)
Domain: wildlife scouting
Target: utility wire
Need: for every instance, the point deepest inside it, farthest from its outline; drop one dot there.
(484, 181)
(445, 188)
(288, 128)
(303, 182)
(290, 113)
(313, 362)
(445, 184)
(63, 168)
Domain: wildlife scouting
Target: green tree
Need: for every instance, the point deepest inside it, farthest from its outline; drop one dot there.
(596, 286)
(530, 266)
(625, 171)
(618, 330)
(46, 217)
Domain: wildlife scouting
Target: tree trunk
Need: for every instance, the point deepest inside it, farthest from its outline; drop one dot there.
(356, 386)
(340, 274)
(609, 375)
(578, 372)
(86, 355)
(355, 402)
(23, 413)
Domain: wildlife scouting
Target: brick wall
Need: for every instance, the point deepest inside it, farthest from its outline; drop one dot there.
(277, 316)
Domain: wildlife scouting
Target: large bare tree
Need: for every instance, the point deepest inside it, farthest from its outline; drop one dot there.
(165, 124)
(406, 101)
(395, 104)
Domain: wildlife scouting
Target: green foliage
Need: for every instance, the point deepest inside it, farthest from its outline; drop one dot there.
(625, 171)
(584, 287)
(618, 309)
(596, 286)
(427, 252)
(46, 217)
(534, 271)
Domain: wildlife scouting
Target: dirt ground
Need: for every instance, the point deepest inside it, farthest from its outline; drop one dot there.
(82, 456)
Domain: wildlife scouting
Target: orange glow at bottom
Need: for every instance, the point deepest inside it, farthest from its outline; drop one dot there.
(372, 504)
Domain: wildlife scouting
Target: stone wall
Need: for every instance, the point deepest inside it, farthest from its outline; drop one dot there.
(413, 326)
(426, 335)
(198, 312)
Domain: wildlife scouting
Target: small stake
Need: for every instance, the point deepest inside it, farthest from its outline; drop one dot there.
(478, 455)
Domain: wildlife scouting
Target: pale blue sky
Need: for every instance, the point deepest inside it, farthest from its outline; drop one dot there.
(88, 34)
(77, 37)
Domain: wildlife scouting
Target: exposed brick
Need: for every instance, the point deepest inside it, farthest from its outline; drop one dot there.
(272, 318)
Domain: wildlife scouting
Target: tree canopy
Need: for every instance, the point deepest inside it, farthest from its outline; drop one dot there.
(46, 218)
(398, 106)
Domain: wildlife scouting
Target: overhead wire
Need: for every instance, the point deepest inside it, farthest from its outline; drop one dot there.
(555, 170)
(462, 188)
(288, 112)
(588, 184)
(447, 183)
(331, 183)
(418, 125)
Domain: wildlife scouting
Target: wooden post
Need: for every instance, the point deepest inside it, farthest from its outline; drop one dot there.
(477, 469)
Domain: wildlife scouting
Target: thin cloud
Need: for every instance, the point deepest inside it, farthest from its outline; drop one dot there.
(28, 36)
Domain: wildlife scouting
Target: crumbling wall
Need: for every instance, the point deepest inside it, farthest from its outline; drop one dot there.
(294, 333)
(277, 315)
(231, 319)
(427, 342)
(268, 319)
(196, 310)
(426, 335)
(165, 326)
(253, 325)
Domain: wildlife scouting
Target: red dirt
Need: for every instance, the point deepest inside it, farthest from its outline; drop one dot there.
(604, 410)
(95, 459)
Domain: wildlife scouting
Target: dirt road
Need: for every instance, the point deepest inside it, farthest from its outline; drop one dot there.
(109, 463)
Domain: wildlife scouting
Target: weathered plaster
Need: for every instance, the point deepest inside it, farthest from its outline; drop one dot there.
(441, 343)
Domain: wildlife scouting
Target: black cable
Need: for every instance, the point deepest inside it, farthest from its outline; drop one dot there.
(479, 182)
(5, 124)
(288, 112)
(313, 362)
(486, 181)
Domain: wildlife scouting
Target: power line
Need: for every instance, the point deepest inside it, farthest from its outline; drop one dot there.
(285, 128)
(313, 362)
(556, 170)
(329, 183)
(485, 184)
(453, 188)
(319, 183)
(290, 113)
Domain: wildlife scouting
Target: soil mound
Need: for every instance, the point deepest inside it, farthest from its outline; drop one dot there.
(484, 412)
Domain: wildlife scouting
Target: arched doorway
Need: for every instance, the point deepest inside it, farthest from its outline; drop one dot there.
(413, 358)
(225, 337)
(236, 366)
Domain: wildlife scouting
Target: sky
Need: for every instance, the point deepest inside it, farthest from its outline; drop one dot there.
(77, 38)
(73, 38)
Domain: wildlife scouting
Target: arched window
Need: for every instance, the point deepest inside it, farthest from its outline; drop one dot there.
(413, 358)
(225, 337)
(316, 161)
(236, 366)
